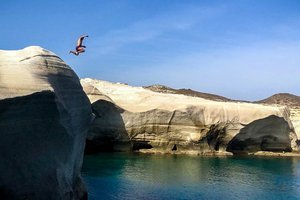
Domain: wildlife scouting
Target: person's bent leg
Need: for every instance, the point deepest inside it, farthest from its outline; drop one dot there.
(80, 50)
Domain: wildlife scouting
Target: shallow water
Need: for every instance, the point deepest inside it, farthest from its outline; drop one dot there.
(144, 176)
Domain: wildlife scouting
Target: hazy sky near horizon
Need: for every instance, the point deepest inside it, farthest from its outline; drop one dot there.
(241, 49)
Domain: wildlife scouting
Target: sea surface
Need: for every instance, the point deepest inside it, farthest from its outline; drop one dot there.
(145, 176)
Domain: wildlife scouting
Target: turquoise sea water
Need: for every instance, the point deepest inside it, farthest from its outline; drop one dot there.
(143, 176)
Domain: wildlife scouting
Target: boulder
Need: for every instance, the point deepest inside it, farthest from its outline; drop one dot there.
(164, 122)
(289, 100)
(44, 118)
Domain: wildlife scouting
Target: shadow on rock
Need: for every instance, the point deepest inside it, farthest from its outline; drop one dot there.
(268, 134)
(107, 132)
(34, 147)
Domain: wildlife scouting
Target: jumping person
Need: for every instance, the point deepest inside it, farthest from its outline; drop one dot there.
(79, 47)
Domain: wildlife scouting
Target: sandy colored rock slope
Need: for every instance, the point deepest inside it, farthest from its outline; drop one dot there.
(44, 117)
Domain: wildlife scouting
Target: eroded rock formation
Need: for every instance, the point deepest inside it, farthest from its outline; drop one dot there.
(289, 100)
(108, 122)
(179, 123)
(268, 134)
(44, 118)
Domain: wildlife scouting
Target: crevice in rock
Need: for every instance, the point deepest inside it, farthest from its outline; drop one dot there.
(170, 120)
(215, 135)
(41, 55)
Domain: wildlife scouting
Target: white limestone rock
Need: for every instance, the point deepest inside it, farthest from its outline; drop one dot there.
(184, 124)
(107, 132)
(44, 118)
(295, 118)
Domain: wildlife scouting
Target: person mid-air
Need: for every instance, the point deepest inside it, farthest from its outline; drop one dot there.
(79, 47)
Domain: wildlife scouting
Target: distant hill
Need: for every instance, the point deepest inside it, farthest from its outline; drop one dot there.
(282, 99)
(188, 92)
(285, 99)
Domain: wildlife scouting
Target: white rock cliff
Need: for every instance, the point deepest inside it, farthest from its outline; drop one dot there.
(44, 118)
(177, 123)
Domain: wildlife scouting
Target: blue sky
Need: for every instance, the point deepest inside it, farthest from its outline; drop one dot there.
(241, 49)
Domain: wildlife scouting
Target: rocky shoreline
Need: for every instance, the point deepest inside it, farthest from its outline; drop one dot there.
(221, 154)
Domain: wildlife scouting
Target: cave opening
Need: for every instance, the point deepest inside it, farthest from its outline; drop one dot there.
(137, 145)
(174, 148)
